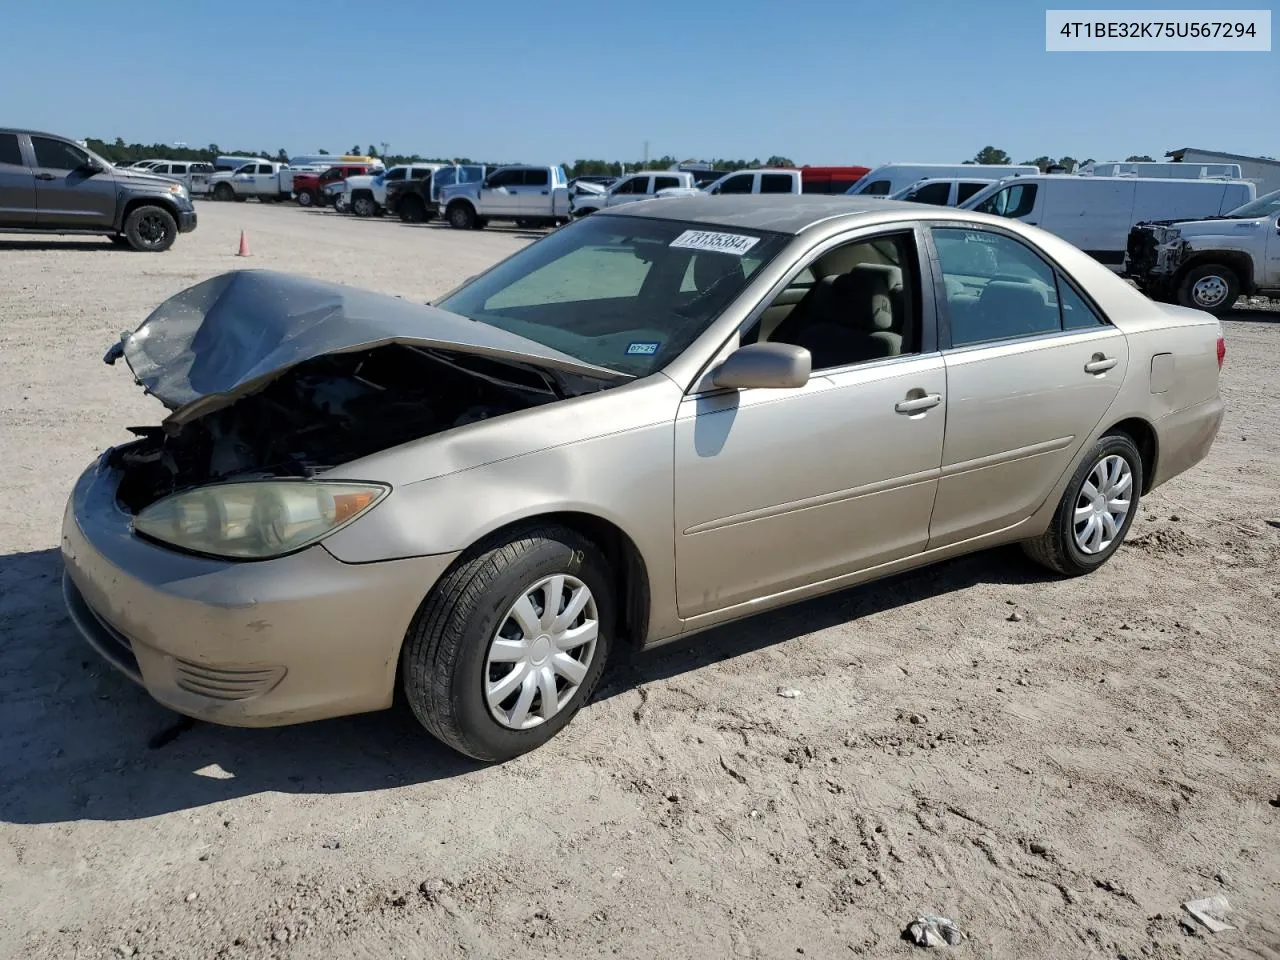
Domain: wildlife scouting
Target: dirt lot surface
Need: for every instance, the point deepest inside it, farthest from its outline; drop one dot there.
(1056, 765)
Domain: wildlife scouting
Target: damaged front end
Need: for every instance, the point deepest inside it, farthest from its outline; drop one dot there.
(276, 377)
(1155, 250)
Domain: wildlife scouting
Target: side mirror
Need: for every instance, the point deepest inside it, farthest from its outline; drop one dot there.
(777, 366)
(92, 165)
(486, 184)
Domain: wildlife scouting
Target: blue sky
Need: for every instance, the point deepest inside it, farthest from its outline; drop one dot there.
(823, 82)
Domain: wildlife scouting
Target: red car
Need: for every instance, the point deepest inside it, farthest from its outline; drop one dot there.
(308, 188)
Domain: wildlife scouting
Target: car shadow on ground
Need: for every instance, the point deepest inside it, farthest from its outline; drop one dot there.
(79, 243)
(79, 741)
(1269, 313)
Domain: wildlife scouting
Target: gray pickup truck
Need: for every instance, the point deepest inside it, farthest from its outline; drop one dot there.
(49, 184)
(528, 196)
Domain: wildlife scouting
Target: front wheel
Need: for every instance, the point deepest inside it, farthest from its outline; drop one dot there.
(462, 217)
(363, 206)
(306, 198)
(224, 192)
(1096, 509)
(511, 643)
(151, 229)
(1211, 287)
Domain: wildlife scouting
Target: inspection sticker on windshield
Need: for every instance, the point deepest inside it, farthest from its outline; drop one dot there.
(643, 349)
(735, 244)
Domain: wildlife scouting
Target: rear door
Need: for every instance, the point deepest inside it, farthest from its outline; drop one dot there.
(534, 192)
(779, 183)
(17, 185)
(1032, 367)
(68, 194)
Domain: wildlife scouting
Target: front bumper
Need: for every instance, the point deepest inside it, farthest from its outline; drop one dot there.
(186, 220)
(265, 643)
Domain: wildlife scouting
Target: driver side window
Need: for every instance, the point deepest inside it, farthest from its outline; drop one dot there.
(855, 303)
(56, 155)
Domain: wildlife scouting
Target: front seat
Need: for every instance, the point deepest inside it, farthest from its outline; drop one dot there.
(850, 319)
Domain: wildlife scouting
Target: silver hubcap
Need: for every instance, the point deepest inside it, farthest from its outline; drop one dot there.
(1209, 291)
(1103, 504)
(541, 653)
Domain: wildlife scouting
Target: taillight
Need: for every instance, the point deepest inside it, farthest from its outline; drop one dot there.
(1222, 351)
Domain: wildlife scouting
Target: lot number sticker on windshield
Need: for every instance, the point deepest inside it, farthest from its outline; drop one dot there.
(646, 348)
(735, 244)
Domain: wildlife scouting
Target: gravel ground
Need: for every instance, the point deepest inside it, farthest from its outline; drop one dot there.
(1056, 765)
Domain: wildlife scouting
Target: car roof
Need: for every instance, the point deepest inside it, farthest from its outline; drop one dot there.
(781, 212)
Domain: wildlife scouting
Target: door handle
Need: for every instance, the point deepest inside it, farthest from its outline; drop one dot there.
(45, 176)
(918, 404)
(1100, 364)
(545, 192)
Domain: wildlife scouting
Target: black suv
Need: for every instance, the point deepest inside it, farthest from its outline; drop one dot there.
(50, 184)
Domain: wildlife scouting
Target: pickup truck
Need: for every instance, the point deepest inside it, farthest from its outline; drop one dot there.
(308, 187)
(641, 185)
(528, 196)
(1208, 263)
(777, 180)
(366, 194)
(418, 201)
(268, 182)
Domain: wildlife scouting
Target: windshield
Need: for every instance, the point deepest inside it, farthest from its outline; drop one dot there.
(1264, 206)
(625, 293)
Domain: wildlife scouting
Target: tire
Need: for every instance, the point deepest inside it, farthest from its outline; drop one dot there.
(413, 210)
(481, 223)
(1211, 286)
(363, 206)
(1059, 548)
(445, 664)
(224, 192)
(462, 217)
(150, 229)
(306, 198)
(340, 204)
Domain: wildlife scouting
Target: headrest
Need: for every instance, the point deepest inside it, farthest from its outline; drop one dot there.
(859, 299)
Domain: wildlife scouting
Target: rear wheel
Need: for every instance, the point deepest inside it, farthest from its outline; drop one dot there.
(462, 217)
(151, 229)
(511, 643)
(1212, 287)
(1096, 509)
(306, 198)
(362, 205)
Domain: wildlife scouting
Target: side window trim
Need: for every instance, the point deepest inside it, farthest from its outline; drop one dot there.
(945, 341)
(929, 315)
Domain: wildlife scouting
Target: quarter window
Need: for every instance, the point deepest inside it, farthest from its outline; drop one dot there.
(9, 152)
(56, 155)
(1076, 314)
(997, 288)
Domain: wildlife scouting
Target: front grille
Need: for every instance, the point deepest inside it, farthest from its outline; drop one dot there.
(1141, 250)
(225, 682)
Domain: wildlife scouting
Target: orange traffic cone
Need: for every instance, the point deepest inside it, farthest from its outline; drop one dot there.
(244, 246)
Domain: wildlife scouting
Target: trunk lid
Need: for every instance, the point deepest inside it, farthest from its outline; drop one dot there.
(230, 336)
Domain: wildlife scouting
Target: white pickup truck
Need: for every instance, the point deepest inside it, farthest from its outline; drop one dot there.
(1206, 264)
(641, 185)
(529, 196)
(366, 195)
(765, 180)
(268, 182)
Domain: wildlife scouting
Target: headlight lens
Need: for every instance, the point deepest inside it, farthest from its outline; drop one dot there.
(256, 520)
(179, 189)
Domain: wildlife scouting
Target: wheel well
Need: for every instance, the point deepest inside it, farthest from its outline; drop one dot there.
(362, 193)
(1144, 438)
(137, 202)
(1240, 263)
(459, 202)
(624, 558)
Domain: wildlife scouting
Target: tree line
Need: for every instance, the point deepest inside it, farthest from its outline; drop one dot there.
(123, 154)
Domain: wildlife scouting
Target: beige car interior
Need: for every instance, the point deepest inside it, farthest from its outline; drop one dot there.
(849, 306)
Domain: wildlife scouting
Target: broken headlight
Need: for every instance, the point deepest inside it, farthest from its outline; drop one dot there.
(258, 519)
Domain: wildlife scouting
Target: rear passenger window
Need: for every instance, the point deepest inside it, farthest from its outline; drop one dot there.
(9, 152)
(265, 168)
(966, 190)
(178, 168)
(997, 288)
(775, 183)
(536, 178)
(665, 183)
(421, 174)
(1076, 314)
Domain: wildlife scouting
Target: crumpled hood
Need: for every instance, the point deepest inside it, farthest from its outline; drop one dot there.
(230, 336)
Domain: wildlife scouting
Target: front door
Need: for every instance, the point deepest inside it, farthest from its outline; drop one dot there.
(17, 185)
(1031, 370)
(500, 195)
(778, 489)
(69, 195)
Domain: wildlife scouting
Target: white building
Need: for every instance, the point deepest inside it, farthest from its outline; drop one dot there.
(1263, 171)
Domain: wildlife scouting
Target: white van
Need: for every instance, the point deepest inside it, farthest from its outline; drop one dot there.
(943, 192)
(892, 177)
(1095, 213)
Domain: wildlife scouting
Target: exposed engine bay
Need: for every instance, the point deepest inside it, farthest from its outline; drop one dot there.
(326, 412)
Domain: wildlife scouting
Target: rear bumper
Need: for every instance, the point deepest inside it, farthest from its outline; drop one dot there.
(1184, 438)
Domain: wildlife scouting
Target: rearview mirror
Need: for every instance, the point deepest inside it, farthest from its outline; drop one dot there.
(764, 365)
